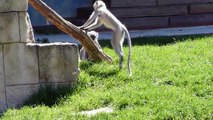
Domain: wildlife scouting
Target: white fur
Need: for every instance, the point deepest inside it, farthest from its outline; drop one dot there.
(102, 16)
(94, 35)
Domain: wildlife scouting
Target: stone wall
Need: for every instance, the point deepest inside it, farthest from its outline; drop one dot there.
(163, 13)
(24, 65)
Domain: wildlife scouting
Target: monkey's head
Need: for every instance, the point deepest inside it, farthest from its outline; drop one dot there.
(98, 4)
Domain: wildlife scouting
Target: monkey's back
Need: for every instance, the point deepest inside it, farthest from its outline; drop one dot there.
(108, 19)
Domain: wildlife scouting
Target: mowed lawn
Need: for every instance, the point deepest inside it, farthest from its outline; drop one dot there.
(172, 79)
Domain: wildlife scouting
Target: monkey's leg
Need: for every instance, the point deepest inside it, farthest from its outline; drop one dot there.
(117, 44)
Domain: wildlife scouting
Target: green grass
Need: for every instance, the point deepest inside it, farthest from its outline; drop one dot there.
(172, 79)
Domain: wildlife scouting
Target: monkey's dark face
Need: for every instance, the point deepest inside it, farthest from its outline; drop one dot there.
(93, 37)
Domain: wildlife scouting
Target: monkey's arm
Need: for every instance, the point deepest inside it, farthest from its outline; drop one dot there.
(97, 23)
(92, 17)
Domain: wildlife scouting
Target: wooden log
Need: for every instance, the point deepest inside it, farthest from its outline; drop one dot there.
(71, 30)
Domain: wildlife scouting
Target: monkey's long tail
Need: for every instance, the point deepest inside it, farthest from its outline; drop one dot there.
(130, 50)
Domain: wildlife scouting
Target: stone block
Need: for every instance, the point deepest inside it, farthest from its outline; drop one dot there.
(150, 11)
(179, 2)
(198, 19)
(21, 64)
(13, 5)
(2, 84)
(26, 30)
(201, 8)
(58, 62)
(132, 3)
(9, 27)
(145, 22)
(16, 95)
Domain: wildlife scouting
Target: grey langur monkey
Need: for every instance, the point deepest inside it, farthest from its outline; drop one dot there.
(94, 35)
(102, 16)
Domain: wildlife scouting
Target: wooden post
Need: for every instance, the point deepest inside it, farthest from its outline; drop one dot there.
(71, 30)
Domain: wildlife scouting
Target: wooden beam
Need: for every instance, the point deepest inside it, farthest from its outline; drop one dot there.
(71, 30)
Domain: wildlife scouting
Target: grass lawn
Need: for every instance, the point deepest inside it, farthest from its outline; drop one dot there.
(172, 79)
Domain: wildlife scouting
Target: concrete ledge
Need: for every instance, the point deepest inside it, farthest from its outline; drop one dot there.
(21, 65)
(13, 5)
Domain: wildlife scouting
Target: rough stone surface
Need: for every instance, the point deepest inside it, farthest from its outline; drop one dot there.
(21, 64)
(13, 5)
(17, 94)
(177, 2)
(174, 10)
(26, 30)
(132, 3)
(201, 8)
(196, 19)
(58, 62)
(2, 85)
(146, 22)
(9, 27)
(150, 11)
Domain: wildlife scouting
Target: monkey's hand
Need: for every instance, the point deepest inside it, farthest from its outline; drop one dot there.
(82, 27)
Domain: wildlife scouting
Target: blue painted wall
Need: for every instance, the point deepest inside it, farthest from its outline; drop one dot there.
(65, 8)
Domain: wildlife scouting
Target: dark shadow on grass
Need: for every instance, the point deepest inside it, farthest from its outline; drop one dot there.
(87, 65)
(105, 74)
(158, 40)
(49, 95)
